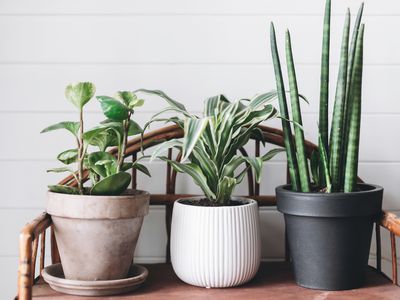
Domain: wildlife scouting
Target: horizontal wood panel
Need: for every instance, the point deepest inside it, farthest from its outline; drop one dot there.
(39, 88)
(190, 7)
(180, 39)
(24, 142)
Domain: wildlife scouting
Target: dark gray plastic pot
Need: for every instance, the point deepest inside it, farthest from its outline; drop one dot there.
(329, 235)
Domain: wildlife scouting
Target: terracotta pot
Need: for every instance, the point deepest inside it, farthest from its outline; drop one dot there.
(216, 246)
(329, 234)
(97, 235)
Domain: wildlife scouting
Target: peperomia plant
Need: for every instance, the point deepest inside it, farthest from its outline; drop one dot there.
(107, 172)
(334, 166)
(211, 143)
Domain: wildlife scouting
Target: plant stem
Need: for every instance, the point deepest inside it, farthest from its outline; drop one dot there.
(121, 153)
(81, 154)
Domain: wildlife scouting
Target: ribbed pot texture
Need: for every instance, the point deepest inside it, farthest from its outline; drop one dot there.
(329, 235)
(216, 246)
(97, 235)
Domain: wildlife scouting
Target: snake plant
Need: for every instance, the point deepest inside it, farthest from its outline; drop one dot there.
(334, 165)
(106, 172)
(211, 143)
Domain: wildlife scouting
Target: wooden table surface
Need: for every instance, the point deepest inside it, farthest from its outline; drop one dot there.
(273, 281)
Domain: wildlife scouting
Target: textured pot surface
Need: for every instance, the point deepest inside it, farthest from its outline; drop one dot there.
(97, 235)
(216, 246)
(329, 235)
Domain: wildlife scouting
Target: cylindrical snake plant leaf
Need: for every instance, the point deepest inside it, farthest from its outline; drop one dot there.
(296, 114)
(355, 116)
(352, 51)
(324, 85)
(287, 132)
(337, 120)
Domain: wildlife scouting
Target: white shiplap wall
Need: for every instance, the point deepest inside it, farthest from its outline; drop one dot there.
(190, 49)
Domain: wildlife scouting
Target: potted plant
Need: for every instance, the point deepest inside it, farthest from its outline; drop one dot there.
(329, 216)
(215, 238)
(97, 226)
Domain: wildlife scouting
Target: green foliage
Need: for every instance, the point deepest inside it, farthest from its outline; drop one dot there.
(334, 166)
(211, 142)
(80, 93)
(106, 172)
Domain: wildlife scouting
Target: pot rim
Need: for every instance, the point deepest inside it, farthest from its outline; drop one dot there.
(128, 193)
(248, 202)
(367, 202)
(370, 188)
(131, 205)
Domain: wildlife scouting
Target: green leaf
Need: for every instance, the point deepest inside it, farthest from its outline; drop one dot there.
(134, 128)
(63, 170)
(195, 172)
(104, 139)
(302, 164)
(214, 105)
(174, 143)
(337, 134)
(63, 189)
(325, 165)
(69, 156)
(324, 78)
(170, 101)
(113, 185)
(113, 109)
(283, 108)
(142, 168)
(130, 99)
(102, 170)
(225, 189)
(314, 162)
(113, 128)
(80, 93)
(271, 153)
(72, 127)
(256, 164)
(351, 169)
(193, 129)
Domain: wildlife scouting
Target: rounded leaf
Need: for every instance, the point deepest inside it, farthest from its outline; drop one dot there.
(113, 109)
(112, 185)
(80, 93)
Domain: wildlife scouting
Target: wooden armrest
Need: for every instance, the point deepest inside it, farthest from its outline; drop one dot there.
(28, 249)
(391, 221)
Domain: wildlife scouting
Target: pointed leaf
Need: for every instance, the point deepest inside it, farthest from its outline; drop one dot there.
(169, 100)
(63, 189)
(194, 128)
(72, 127)
(134, 128)
(142, 168)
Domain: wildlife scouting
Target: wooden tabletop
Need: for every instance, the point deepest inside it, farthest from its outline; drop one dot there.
(273, 281)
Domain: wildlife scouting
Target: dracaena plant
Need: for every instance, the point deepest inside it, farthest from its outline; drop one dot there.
(107, 173)
(211, 142)
(334, 166)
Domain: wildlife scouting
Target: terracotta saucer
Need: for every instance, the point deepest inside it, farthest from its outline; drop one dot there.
(54, 276)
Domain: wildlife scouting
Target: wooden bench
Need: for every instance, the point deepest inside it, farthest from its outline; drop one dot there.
(274, 280)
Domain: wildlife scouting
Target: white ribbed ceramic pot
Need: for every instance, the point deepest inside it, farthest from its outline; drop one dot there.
(216, 246)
